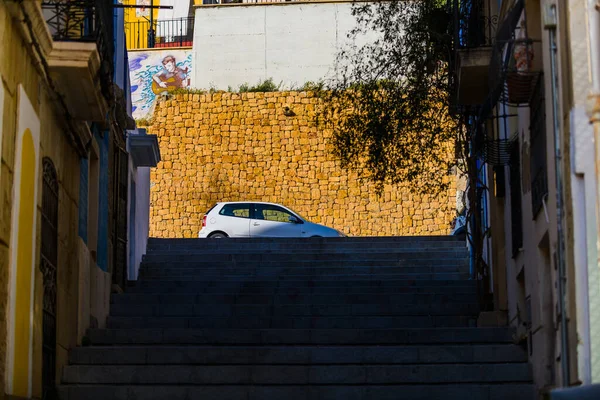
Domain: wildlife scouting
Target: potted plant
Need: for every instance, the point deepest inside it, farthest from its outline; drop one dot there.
(520, 78)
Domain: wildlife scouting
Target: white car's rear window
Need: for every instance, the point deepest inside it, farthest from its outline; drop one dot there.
(236, 210)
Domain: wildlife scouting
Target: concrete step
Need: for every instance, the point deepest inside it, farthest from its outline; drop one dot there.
(279, 257)
(347, 251)
(291, 309)
(431, 264)
(170, 271)
(299, 336)
(299, 247)
(293, 297)
(308, 277)
(296, 374)
(174, 242)
(296, 322)
(194, 355)
(310, 283)
(513, 391)
(370, 282)
(275, 290)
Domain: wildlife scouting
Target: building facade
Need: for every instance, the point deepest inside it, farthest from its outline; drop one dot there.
(66, 241)
(522, 73)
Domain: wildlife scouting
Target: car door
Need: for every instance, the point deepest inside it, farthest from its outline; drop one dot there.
(270, 220)
(234, 219)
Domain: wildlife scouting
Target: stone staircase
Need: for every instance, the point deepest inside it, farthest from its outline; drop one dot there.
(289, 319)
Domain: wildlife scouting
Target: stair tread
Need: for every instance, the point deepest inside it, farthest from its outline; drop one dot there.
(299, 319)
(489, 391)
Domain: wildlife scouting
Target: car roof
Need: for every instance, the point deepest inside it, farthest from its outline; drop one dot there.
(249, 201)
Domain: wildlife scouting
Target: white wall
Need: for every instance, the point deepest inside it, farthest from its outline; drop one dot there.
(289, 42)
(181, 9)
(139, 217)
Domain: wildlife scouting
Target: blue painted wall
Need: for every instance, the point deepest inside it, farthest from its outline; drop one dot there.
(102, 255)
(83, 199)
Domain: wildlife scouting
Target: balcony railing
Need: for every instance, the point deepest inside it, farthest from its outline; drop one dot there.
(166, 33)
(84, 21)
(475, 25)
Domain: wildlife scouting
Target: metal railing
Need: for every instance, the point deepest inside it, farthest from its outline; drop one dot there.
(475, 25)
(84, 21)
(166, 33)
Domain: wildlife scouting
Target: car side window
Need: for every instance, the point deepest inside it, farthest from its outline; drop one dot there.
(236, 210)
(272, 213)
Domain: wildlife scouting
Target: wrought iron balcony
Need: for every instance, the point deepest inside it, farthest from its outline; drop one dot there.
(81, 60)
(83, 21)
(166, 33)
(475, 27)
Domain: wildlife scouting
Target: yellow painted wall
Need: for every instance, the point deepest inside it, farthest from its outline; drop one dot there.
(136, 28)
(131, 13)
(229, 146)
(18, 69)
(24, 241)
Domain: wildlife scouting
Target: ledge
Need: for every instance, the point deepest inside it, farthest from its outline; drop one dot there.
(74, 68)
(143, 148)
(473, 74)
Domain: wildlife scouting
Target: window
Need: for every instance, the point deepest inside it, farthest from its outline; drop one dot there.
(515, 198)
(273, 213)
(539, 175)
(241, 210)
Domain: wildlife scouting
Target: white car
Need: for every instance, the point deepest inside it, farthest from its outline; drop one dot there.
(257, 219)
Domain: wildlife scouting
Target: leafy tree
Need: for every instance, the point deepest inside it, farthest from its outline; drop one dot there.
(388, 104)
(389, 107)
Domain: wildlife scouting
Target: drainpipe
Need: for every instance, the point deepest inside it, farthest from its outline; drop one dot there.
(550, 23)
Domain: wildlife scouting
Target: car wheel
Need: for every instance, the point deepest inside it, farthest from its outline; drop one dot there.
(217, 235)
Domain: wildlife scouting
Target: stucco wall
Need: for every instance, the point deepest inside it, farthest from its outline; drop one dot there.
(21, 82)
(290, 42)
(226, 147)
(138, 214)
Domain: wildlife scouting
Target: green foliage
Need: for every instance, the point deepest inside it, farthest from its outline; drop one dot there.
(311, 86)
(187, 90)
(141, 122)
(388, 107)
(265, 86)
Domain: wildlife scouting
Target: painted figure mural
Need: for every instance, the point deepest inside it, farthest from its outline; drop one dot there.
(154, 73)
(171, 77)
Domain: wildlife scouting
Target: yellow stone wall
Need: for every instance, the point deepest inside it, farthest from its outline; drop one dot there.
(234, 147)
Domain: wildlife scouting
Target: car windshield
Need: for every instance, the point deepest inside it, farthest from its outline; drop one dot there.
(298, 214)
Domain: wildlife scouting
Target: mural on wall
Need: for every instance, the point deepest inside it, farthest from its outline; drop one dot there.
(142, 12)
(154, 73)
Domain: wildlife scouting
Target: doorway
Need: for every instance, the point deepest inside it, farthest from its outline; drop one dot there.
(48, 264)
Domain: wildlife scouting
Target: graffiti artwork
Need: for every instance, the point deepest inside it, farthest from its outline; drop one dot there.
(142, 12)
(154, 73)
